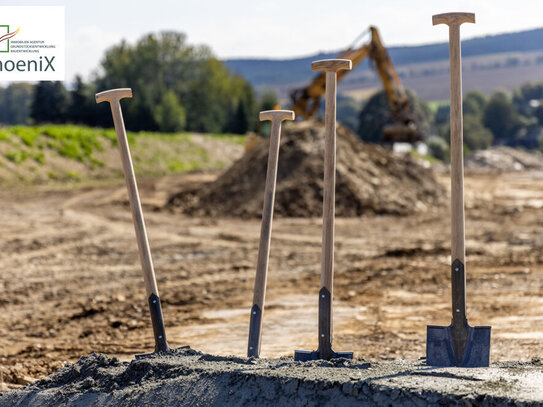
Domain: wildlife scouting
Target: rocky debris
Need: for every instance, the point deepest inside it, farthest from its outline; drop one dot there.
(191, 378)
(504, 159)
(371, 180)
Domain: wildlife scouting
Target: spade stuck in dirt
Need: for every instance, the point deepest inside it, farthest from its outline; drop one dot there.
(458, 344)
(325, 351)
(259, 293)
(114, 97)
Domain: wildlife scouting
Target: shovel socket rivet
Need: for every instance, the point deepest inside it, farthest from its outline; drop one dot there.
(154, 301)
(322, 335)
(254, 312)
(160, 337)
(250, 347)
(456, 269)
(458, 310)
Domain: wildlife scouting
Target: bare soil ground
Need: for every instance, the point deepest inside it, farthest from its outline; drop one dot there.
(186, 377)
(71, 282)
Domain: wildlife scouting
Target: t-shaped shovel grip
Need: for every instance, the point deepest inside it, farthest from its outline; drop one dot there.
(453, 18)
(257, 310)
(113, 95)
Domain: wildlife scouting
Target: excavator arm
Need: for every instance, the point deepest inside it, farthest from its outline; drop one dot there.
(306, 101)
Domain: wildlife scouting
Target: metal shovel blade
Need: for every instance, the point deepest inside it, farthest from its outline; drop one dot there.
(306, 355)
(440, 350)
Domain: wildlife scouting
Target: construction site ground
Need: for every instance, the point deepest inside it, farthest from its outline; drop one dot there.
(71, 282)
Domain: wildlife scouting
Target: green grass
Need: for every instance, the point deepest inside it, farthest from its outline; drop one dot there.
(153, 153)
(16, 156)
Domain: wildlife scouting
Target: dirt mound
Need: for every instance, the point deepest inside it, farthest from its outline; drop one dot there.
(504, 159)
(190, 378)
(370, 180)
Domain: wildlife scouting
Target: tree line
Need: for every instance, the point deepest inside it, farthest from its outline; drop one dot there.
(176, 86)
(511, 119)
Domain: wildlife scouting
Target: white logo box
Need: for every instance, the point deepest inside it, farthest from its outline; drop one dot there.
(36, 52)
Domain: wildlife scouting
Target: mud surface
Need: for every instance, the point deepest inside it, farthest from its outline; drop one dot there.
(370, 180)
(71, 281)
(190, 378)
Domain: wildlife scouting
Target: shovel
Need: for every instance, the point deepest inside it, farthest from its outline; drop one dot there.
(255, 324)
(458, 344)
(113, 97)
(324, 351)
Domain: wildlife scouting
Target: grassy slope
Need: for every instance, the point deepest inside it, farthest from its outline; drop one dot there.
(33, 154)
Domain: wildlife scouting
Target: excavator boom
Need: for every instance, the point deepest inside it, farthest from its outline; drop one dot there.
(306, 101)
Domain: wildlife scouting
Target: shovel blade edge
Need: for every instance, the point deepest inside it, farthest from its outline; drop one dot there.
(306, 355)
(478, 349)
(440, 352)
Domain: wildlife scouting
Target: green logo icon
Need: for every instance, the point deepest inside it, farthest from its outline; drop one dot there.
(5, 36)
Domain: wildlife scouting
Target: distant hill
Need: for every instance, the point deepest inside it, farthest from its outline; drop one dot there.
(500, 56)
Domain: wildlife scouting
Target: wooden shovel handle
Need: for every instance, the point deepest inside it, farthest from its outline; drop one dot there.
(259, 293)
(331, 66)
(454, 20)
(113, 97)
(276, 117)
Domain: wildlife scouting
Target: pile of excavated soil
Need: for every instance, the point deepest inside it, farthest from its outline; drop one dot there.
(370, 180)
(190, 378)
(504, 159)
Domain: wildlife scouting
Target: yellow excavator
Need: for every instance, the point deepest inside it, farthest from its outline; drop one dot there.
(305, 101)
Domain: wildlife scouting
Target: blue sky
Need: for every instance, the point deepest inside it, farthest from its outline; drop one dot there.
(274, 28)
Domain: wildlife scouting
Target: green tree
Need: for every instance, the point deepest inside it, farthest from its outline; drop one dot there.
(83, 108)
(500, 118)
(169, 114)
(474, 103)
(268, 100)
(538, 113)
(243, 112)
(50, 102)
(443, 115)
(438, 148)
(165, 62)
(476, 136)
(15, 103)
(347, 112)
(523, 97)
